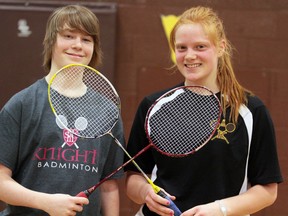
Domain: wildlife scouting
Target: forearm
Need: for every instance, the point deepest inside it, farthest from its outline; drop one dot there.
(15, 194)
(110, 198)
(255, 199)
(137, 187)
(54, 204)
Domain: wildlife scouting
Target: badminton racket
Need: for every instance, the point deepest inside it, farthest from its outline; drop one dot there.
(74, 93)
(181, 122)
(84, 102)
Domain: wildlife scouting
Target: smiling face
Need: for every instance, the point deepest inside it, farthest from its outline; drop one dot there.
(72, 46)
(196, 56)
(63, 26)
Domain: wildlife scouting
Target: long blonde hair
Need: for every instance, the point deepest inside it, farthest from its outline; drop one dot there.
(75, 17)
(233, 94)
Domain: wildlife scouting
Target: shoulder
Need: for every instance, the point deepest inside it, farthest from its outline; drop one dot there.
(150, 99)
(259, 111)
(26, 95)
(256, 106)
(254, 101)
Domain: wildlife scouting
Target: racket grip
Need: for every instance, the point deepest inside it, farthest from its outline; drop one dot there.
(84, 194)
(172, 205)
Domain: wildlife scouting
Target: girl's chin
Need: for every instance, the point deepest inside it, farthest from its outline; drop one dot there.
(192, 80)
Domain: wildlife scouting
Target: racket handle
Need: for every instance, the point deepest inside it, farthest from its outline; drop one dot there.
(84, 194)
(172, 205)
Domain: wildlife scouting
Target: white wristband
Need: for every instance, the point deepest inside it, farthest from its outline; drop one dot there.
(222, 207)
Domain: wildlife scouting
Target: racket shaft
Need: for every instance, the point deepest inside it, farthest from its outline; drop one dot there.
(157, 190)
(172, 205)
(88, 192)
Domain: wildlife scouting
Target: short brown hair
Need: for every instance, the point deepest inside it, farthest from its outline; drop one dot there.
(75, 17)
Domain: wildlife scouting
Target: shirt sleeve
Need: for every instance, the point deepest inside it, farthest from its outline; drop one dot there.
(9, 133)
(263, 161)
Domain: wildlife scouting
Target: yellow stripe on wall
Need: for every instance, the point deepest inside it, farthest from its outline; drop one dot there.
(168, 23)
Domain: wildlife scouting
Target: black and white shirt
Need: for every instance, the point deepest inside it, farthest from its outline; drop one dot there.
(236, 156)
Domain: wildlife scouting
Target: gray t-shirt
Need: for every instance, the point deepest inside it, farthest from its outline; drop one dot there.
(44, 156)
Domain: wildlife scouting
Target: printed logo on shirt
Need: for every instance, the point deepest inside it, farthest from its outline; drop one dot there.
(223, 129)
(69, 155)
(70, 136)
(60, 158)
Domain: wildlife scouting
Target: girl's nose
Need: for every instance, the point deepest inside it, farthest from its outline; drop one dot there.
(77, 43)
(191, 55)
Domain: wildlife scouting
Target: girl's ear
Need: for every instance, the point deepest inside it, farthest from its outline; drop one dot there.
(221, 48)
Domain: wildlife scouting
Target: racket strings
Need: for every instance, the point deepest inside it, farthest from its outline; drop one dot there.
(86, 99)
(184, 123)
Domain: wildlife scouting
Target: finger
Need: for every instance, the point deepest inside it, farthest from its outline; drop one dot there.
(81, 201)
(159, 208)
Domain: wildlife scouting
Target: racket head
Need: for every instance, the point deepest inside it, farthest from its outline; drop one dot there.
(183, 120)
(84, 101)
